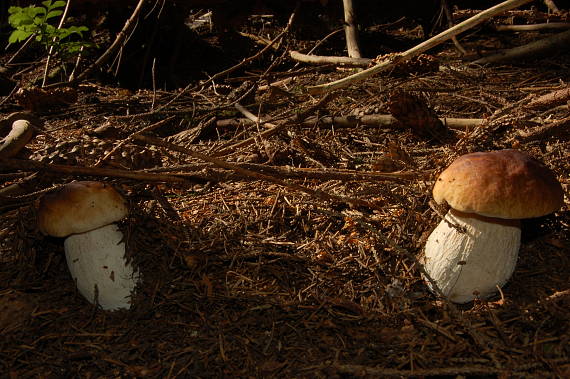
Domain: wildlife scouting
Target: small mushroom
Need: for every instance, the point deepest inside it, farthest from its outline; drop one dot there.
(85, 213)
(474, 250)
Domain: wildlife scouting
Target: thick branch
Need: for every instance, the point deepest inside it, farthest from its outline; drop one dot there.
(350, 30)
(553, 44)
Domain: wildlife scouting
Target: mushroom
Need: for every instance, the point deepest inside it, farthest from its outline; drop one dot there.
(474, 249)
(85, 213)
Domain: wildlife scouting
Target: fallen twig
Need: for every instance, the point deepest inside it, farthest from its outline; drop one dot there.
(555, 43)
(421, 48)
(559, 128)
(294, 120)
(318, 59)
(551, 99)
(361, 371)
(203, 171)
(29, 165)
(237, 66)
(256, 175)
(373, 120)
(533, 27)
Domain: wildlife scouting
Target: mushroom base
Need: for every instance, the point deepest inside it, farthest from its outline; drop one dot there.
(96, 260)
(471, 264)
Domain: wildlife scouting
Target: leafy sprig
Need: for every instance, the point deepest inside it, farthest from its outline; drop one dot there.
(34, 21)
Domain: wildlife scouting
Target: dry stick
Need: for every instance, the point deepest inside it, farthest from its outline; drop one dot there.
(22, 48)
(377, 372)
(197, 170)
(21, 187)
(533, 28)
(50, 52)
(250, 116)
(554, 98)
(372, 120)
(29, 165)
(299, 118)
(560, 128)
(551, 6)
(421, 48)
(118, 43)
(553, 44)
(256, 175)
(449, 17)
(322, 40)
(237, 66)
(350, 30)
(319, 59)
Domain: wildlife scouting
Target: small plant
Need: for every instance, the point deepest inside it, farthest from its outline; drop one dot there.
(33, 21)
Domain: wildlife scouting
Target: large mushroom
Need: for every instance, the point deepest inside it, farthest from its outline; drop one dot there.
(85, 213)
(474, 250)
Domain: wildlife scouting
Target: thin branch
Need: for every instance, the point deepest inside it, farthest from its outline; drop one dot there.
(50, 52)
(256, 175)
(118, 43)
(29, 165)
(319, 59)
(361, 370)
(197, 170)
(421, 48)
(241, 64)
(372, 120)
(558, 128)
(533, 27)
(277, 128)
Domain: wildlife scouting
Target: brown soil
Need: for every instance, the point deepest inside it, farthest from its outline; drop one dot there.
(304, 265)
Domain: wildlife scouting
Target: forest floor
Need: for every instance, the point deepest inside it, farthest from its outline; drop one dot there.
(300, 258)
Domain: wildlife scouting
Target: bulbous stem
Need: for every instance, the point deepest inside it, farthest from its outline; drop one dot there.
(469, 256)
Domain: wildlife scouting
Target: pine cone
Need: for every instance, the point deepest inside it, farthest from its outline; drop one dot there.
(89, 151)
(412, 111)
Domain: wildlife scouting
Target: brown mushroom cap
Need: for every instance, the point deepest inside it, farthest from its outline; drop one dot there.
(79, 207)
(505, 184)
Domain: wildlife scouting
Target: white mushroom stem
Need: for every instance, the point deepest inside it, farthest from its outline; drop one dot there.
(469, 256)
(96, 260)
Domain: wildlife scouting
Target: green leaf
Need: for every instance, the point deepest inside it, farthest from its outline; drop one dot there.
(34, 11)
(39, 21)
(78, 29)
(14, 9)
(53, 14)
(50, 30)
(58, 4)
(18, 36)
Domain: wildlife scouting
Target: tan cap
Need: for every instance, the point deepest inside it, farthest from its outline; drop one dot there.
(504, 184)
(79, 207)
